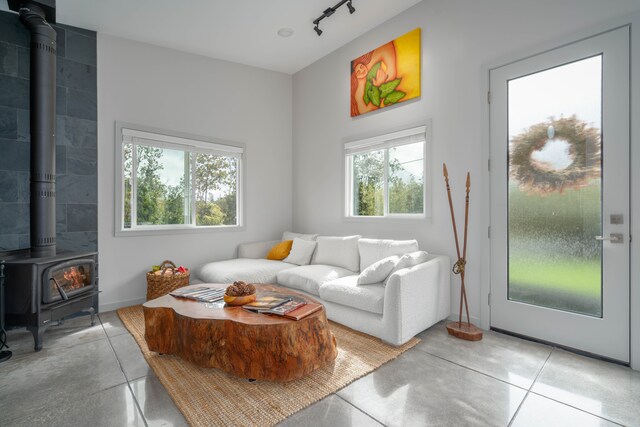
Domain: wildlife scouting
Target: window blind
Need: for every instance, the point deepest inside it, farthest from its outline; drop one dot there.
(395, 139)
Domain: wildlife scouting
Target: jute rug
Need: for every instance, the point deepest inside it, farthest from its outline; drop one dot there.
(210, 397)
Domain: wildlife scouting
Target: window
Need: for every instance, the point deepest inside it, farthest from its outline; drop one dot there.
(385, 175)
(168, 182)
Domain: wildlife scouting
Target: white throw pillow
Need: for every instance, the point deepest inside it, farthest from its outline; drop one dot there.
(378, 271)
(288, 235)
(372, 250)
(409, 260)
(301, 251)
(338, 251)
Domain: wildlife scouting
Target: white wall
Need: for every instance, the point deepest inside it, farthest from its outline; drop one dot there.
(459, 38)
(168, 89)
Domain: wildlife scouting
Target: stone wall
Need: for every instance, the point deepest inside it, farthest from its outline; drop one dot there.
(76, 137)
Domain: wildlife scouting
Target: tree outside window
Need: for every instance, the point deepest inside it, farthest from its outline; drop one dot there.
(175, 186)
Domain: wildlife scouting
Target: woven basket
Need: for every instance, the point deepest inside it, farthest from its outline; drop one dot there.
(165, 280)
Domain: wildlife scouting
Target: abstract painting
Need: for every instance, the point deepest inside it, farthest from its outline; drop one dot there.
(387, 75)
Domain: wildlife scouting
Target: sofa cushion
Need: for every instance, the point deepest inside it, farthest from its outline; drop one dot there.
(338, 251)
(280, 250)
(247, 269)
(288, 235)
(301, 251)
(346, 291)
(378, 271)
(308, 278)
(408, 260)
(372, 250)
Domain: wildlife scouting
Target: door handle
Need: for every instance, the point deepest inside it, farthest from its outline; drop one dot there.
(613, 238)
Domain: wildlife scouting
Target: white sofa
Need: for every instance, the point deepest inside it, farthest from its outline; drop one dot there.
(408, 302)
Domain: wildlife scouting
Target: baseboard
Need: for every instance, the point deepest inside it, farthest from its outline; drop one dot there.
(116, 305)
(474, 320)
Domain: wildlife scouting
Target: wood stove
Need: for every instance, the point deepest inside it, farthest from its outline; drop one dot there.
(43, 284)
(39, 291)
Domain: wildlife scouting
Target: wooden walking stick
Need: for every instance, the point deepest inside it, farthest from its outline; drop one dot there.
(465, 331)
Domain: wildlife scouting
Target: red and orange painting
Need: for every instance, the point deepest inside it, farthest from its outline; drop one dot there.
(387, 75)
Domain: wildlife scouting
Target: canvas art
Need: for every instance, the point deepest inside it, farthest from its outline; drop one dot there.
(387, 75)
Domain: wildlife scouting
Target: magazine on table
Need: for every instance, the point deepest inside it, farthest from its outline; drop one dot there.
(266, 303)
(304, 311)
(200, 294)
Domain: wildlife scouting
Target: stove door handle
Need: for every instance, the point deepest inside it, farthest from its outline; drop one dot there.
(61, 291)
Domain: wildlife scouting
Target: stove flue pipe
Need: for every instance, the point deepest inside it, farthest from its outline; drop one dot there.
(43, 129)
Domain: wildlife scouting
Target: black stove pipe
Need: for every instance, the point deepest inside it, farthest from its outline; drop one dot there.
(43, 128)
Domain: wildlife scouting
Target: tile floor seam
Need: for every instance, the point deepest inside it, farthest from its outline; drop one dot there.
(62, 347)
(515, 414)
(126, 380)
(558, 401)
(135, 399)
(576, 408)
(471, 369)
(45, 407)
(359, 409)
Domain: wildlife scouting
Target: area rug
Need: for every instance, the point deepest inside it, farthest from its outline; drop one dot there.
(211, 397)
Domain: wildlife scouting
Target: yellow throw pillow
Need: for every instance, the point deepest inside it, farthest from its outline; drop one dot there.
(280, 251)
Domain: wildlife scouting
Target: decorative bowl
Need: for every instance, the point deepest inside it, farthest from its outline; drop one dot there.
(240, 300)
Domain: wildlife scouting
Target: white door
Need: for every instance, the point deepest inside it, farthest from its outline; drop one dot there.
(559, 124)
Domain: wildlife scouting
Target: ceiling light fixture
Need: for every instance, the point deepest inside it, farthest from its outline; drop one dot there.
(285, 32)
(330, 11)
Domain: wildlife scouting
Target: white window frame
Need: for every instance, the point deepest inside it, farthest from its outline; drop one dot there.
(389, 140)
(161, 138)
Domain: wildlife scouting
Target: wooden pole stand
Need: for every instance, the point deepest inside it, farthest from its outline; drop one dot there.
(465, 331)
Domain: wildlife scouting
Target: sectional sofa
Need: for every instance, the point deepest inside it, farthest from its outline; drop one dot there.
(385, 288)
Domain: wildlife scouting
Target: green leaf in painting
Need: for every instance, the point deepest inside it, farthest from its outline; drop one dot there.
(388, 87)
(394, 97)
(367, 88)
(373, 71)
(374, 95)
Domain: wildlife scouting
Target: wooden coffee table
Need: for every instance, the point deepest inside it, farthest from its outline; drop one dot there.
(249, 345)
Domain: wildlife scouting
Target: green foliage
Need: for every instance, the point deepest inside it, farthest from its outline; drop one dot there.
(159, 204)
(394, 97)
(367, 88)
(388, 87)
(174, 204)
(374, 95)
(368, 169)
(214, 173)
(404, 197)
(228, 206)
(209, 213)
(373, 71)
(384, 93)
(150, 189)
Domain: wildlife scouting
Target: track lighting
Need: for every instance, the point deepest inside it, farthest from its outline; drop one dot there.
(330, 11)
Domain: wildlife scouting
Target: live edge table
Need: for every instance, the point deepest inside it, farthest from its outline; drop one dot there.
(249, 345)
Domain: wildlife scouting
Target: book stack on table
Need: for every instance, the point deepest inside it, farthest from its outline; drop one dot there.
(282, 306)
(200, 294)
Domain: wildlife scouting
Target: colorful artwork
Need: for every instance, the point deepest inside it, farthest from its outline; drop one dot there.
(387, 75)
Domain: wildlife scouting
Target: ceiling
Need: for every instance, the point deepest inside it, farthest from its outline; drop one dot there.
(242, 31)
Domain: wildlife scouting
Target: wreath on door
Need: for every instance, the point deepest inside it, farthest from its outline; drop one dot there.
(542, 178)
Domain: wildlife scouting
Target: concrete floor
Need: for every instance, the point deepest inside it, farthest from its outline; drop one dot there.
(97, 376)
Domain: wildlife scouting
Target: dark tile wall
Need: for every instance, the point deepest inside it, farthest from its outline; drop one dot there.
(76, 137)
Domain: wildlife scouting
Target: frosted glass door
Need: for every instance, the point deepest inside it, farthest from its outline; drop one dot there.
(555, 187)
(559, 196)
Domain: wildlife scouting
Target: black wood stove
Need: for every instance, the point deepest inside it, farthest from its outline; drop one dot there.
(43, 285)
(39, 291)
